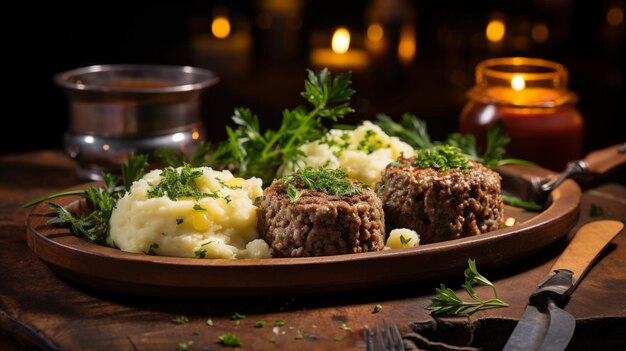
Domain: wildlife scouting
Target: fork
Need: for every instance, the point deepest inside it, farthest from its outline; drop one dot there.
(386, 337)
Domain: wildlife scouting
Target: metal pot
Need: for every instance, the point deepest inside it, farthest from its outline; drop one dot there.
(118, 109)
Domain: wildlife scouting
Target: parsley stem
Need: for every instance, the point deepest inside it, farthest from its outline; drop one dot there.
(53, 196)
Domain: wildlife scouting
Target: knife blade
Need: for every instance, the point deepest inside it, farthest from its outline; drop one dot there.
(544, 325)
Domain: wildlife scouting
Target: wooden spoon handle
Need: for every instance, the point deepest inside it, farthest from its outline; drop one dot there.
(602, 161)
(586, 246)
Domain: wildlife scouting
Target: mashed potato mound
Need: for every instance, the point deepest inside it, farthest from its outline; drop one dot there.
(363, 153)
(220, 225)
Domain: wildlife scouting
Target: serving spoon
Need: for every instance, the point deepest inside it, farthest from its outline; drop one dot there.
(536, 189)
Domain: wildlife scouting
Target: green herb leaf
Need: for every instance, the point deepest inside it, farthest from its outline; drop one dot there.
(595, 211)
(260, 324)
(446, 302)
(299, 336)
(209, 322)
(338, 338)
(133, 169)
(377, 308)
(179, 220)
(183, 346)
(197, 207)
(152, 249)
(182, 319)
(230, 339)
(200, 253)
(236, 316)
(280, 323)
(517, 202)
(404, 240)
(411, 130)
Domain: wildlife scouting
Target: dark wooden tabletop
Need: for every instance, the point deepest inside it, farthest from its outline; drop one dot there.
(40, 310)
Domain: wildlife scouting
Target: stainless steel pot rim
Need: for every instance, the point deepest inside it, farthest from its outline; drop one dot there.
(204, 78)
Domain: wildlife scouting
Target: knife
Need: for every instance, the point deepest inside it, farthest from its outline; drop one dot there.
(545, 326)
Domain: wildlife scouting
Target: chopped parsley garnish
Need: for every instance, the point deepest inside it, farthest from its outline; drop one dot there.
(152, 249)
(179, 220)
(442, 157)
(183, 345)
(230, 339)
(235, 316)
(377, 308)
(404, 240)
(224, 185)
(299, 336)
(209, 322)
(338, 338)
(260, 324)
(228, 198)
(330, 181)
(280, 323)
(369, 144)
(198, 208)
(176, 185)
(182, 319)
(272, 339)
(200, 253)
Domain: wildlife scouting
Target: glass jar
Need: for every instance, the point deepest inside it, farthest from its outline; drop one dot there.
(531, 98)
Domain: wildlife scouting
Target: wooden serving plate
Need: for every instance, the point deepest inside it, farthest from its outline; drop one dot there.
(111, 269)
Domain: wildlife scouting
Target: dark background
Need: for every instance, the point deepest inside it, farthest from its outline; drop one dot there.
(450, 42)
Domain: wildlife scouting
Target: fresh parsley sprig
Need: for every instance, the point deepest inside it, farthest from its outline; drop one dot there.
(95, 226)
(447, 303)
(413, 131)
(253, 152)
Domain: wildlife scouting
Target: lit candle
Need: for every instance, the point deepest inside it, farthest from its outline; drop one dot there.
(340, 57)
(224, 50)
(530, 97)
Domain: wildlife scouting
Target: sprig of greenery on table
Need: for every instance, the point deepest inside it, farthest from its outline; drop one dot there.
(447, 303)
(95, 226)
(255, 152)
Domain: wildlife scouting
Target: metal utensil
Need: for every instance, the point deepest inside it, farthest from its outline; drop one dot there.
(536, 190)
(385, 338)
(545, 326)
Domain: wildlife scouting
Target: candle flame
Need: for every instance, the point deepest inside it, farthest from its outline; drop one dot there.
(518, 83)
(407, 46)
(615, 16)
(375, 32)
(495, 30)
(341, 40)
(220, 27)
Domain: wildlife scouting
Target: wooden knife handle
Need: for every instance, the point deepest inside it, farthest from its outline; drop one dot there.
(586, 246)
(602, 161)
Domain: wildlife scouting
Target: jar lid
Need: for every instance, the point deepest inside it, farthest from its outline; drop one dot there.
(522, 81)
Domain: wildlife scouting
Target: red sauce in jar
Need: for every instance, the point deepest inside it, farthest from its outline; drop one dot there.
(538, 113)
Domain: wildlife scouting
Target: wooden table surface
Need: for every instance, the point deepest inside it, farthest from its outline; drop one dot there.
(40, 310)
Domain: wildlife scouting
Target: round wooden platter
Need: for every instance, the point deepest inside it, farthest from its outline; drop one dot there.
(111, 269)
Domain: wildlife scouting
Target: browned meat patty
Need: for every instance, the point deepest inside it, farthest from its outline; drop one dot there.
(441, 205)
(319, 224)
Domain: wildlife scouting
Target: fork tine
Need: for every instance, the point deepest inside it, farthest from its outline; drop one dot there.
(369, 344)
(379, 340)
(398, 344)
